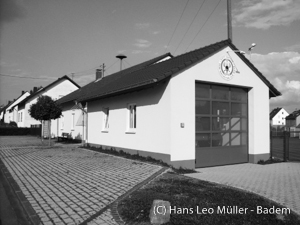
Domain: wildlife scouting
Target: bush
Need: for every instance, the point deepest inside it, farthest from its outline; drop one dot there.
(6, 131)
(13, 124)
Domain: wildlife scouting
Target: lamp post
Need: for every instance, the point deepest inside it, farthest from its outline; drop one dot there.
(250, 49)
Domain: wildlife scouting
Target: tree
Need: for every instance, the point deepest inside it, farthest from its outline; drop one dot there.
(45, 109)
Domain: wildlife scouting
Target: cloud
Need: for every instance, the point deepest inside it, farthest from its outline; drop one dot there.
(155, 32)
(282, 69)
(141, 43)
(139, 51)
(142, 25)
(263, 14)
(295, 47)
(11, 10)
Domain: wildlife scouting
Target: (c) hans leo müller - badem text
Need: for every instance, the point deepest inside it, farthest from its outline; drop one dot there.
(229, 210)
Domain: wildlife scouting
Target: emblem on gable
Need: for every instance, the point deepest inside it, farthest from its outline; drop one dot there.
(227, 68)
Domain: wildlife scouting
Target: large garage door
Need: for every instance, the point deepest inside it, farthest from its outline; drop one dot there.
(221, 125)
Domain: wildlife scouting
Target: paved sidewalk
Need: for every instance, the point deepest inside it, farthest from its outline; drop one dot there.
(68, 185)
(279, 182)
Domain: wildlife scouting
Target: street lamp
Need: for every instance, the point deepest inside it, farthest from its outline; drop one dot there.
(250, 49)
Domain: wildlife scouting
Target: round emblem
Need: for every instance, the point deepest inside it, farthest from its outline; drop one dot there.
(226, 68)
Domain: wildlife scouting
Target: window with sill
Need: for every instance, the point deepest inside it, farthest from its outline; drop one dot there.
(105, 119)
(131, 118)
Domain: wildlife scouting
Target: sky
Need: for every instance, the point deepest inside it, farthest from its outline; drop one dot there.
(42, 40)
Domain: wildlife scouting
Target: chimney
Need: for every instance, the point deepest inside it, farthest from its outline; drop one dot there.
(35, 89)
(23, 92)
(98, 74)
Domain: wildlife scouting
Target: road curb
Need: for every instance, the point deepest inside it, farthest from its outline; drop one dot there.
(114, 205)
(25, 204)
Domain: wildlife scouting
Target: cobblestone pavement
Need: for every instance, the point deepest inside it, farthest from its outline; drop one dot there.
(279, 182)
(68, 185)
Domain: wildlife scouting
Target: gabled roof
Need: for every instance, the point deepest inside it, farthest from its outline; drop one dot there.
(138, 79)
(48, 86)
(293, 115)
(150, 73)
(274, 112)
(94, 85)
(14, 103)
(6, 106)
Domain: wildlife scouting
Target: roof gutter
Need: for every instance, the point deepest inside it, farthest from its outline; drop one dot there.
(128, 89)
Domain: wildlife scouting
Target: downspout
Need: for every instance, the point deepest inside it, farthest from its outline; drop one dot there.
(57, 134)
(83, 112)
(86, 127)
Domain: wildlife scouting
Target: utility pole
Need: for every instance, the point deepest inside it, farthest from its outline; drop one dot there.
(229, 21)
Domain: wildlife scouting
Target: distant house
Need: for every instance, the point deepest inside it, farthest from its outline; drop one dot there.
(73, 121)
(277, 117)
(12, 114)
(203, 108)
(57, 89)
(293, 120)
(3, 111)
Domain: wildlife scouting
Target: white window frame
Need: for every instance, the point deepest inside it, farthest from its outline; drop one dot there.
(105, 116)
(131, 118)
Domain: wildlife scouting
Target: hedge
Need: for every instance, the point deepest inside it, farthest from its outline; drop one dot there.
(4, 131)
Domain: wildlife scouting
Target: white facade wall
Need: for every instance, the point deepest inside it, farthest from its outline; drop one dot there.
(279, 118)
(183, 105)
(166, 114)
(71, 123)
(57, 91)
(153, 121)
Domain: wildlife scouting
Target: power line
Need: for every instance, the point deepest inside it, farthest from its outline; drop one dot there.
(203, 25)
(86, 70)
(127, 63)
(9, 75)
(112, 64)
(177, 25)
(189, 26)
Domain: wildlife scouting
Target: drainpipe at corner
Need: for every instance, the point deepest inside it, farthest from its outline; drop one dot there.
(86, 127)
(86, 113)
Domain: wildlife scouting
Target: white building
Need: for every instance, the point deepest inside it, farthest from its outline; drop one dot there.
(277, 117)
(57, 89)
(11, 113)
(203, 108)
(73, 121)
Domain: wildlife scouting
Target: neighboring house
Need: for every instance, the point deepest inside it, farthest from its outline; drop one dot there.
(73, 121)
(277, 116)
(3, 111)
(12, 114)
(203, 108)
(61, 87)
(293, 120)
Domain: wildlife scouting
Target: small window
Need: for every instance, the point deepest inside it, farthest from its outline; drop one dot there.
(105, 119)
(131, 117)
